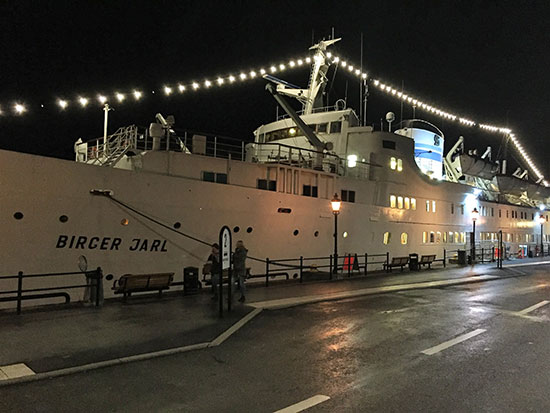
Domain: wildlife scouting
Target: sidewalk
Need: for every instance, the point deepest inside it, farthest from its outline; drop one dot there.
(65, 337)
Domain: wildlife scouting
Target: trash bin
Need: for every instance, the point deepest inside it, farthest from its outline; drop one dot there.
(413, 262)
(461, 257)
(191, 282)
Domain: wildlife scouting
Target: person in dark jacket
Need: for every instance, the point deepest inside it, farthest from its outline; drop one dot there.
(239, 267)
(214, 262)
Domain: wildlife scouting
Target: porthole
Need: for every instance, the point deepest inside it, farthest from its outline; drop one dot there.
(18, 215)
(177, 225)
(316, 234)
(124, 221)
(296, 232)
(63, 218)
(236, 229)
(345, 234)
(249, 230)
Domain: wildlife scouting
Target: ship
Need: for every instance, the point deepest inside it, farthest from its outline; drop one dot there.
(150, 200)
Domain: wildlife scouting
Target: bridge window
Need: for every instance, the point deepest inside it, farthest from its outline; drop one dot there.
(220, 178)
(267, 185)
(348, 196)
(336, 127)
(322, 127)
(388, 145)
(309, 190)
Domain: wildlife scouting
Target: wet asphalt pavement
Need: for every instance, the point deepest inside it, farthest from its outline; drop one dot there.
(364, 353)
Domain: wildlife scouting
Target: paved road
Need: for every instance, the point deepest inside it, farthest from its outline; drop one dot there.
(376, 353)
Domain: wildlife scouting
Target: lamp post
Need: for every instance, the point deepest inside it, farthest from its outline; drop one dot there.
(475, 215)
(335, 205)
(541, 221)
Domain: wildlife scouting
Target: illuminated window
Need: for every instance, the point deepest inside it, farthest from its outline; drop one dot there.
(438, 237)
(404, 238)
(387, 238)
(432, 236)
(413, 204)
(508, 236)
(393, 200)
(445, 237)
(433, 206)
(457, 235)
(400, 202)
(451, 237)
(427, 206)
(399, 165)
(393, 163)
(462, 237)
(424, 237)
(407, 203)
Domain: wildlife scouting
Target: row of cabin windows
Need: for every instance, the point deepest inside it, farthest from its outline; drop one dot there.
(404, 239)
(430, 206)
(402, 202)
(451, 237)
(396, 164)
(332, 127)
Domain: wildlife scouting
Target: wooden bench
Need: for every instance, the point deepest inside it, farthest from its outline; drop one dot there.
(396, 262)
(426, 260)
(130, 283)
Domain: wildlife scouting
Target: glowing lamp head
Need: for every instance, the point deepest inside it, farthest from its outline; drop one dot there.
(102, 99)
(83, 101)
(19, 108)
(120, 97)
(62, 103)
(542, 220)
(475, 214)
(335, 204)
(292, 131)
(137, 94)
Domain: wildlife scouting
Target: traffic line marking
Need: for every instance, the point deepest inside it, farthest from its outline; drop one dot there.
(304, 404)
(450, 343)
(226, 334)
(14, 371)
(533, 307)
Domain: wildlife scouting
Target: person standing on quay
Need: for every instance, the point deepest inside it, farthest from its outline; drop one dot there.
(239, 267)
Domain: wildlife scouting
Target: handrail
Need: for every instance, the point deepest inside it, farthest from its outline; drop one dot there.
(96, 275)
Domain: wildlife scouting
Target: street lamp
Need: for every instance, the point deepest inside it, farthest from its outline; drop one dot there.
(542, 220)
(335, 204)
(475, 216)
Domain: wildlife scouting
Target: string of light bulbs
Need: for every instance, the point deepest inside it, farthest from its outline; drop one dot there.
(119, 97)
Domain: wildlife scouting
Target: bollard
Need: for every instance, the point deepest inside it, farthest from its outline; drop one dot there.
(444, 258)
(387, 261)
(301, 268)
(330, 266)
(366, 259)
(349, 265)
(99, 276)
(19, 290)
(482, 254)
(267, 272)
(493, 254)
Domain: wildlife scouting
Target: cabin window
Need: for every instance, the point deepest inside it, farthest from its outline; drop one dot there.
(413, 204)
(388, 145)
(445, 237)
(393, 163)
(427, 206)
(532, 216)
(462, 237)
(457, 239)
(452, 208)
(387, 238)
(461, 209)
(221, 178)
(499, 213)
(208, 176)
(407, 203)
(322, 127)
(267, 185)
(432, 237)
(507, 214)
(438, 237)
(492, 211)
(348, 196)
(451, 237)
(508, 236)
(400, 202)
(310, 190)
(424, 237)
(284, 210)
(433, 206)
(399, 165)
(336, 127)
(393, 200)
(404, 238)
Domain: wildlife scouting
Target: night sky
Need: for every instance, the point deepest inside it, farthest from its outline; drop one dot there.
(484, 60)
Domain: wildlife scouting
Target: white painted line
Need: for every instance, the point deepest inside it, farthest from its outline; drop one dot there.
(305, 404)
(526, 264)
(450, 343)
(533, 307)
(3, 375)
(295, 301)
(226, 334)
(14, 371)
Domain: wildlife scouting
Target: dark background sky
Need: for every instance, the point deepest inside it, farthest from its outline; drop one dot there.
(486, 60)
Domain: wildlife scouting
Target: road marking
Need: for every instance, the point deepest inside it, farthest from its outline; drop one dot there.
(533, 307)
(450, 343)
(526, 264)
(14, 371)
(226, 334)
(305, 404)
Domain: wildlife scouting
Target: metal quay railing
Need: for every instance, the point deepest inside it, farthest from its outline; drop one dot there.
(18, 294)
